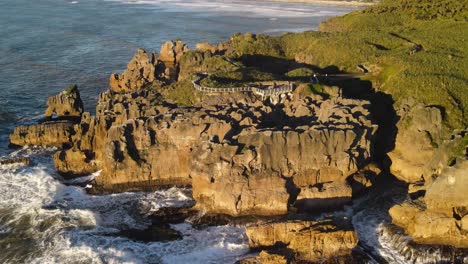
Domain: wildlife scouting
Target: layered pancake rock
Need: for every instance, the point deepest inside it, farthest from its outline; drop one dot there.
(66, 108)
(325, 241)
(243, 155)
(304, 157)
(440, 216)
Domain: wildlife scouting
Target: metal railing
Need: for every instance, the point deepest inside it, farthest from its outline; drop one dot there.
(271, 88)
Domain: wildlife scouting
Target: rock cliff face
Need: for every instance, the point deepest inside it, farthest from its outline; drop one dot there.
(141, 71)
(265, 157)
(67, 107)
(437, 207)
(309, 241)
(268, 166)
(145, 69)
(45, 134)
(156, 151)
(441, 216)
(420, 127)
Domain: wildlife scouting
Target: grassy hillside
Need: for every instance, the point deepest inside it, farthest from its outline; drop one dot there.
(413, 48)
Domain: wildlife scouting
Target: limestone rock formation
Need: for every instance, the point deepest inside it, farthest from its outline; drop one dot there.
(155, 152)
(170, 54)
(265, 257)
(419, 127)
(74, 162)
(262, 170)
(312, 241)
(242, 156)
(172, 51)
(145, 69)
(45, 134)
(60, 131)
(440, 216)
(217, 167)
(141, 71)
(66, 104)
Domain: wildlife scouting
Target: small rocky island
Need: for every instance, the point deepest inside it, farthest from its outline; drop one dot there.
(269, 135)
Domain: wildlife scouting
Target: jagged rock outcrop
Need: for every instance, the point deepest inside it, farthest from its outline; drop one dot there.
(265, 156)
(74, 162)
(156, 151)
(441, 216)
(141, 71)
(145, 69)
(170, 55)
(312, 241)
(172, 51)
(46, 134)
(67, 107)
(265, 257)
(306, 153)
(66, 104)
(419, 127)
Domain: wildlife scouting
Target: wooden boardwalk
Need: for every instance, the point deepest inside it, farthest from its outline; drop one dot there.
(261, 88)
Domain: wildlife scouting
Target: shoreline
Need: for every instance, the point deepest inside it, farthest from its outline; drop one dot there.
(327, 2)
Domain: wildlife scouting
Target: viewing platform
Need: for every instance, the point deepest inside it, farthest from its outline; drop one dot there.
(262, 89)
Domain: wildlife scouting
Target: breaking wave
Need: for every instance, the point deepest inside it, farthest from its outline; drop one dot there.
(45, 221)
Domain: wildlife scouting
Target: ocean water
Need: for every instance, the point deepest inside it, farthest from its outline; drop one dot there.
(47, 45)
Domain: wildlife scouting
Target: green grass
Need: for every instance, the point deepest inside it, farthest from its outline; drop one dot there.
(197, 61)
(182, 93)
(386, 36)
(237, 78)
(300, 74)
(424, 9)
(459, 149)
(416, 48)
(307, 89)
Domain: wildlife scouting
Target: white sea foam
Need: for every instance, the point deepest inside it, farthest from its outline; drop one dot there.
(67, 225)
(245, 7)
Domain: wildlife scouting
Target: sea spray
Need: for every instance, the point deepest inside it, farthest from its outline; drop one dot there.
(45, 221)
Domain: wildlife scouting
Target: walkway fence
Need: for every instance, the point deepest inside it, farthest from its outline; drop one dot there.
(260, 88)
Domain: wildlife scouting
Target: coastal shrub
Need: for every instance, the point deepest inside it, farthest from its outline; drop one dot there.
(304, 74)
(237, 78)
(413, 49)
(307, 89)
(424, 9)
(418, 55)
(256, 44)
(198, 61)
(182, 93)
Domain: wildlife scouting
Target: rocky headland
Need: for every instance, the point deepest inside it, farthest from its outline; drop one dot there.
(289, 156)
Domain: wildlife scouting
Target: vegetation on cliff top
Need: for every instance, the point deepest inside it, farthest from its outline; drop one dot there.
(413, 49)
(237, 78)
